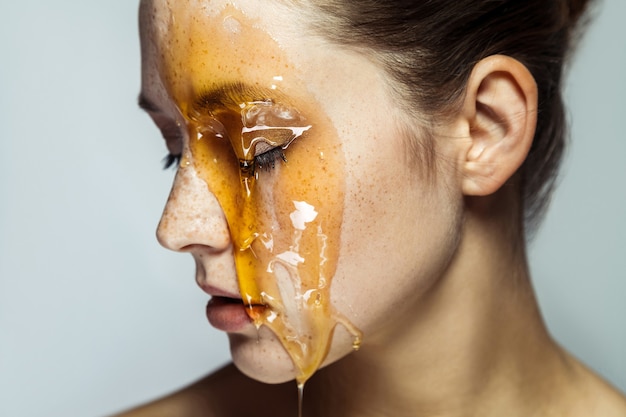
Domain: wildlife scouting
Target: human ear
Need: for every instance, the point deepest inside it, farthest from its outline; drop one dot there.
(499, 116)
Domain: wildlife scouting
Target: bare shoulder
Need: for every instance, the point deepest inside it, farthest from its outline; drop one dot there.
(225, 393)
(596, 397)
(606, 401)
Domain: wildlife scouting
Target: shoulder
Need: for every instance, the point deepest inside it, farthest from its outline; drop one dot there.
(225, 393)
(593, 396)
(604, 400)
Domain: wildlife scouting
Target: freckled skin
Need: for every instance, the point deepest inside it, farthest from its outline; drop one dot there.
(373, 209)
(201, 54)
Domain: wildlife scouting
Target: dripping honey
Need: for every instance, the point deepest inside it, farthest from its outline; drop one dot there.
(284, 222)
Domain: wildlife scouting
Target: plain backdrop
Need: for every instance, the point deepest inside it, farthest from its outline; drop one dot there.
(96, 317)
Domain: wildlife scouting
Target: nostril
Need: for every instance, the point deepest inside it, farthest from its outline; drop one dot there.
(199, 249)
(189, 248)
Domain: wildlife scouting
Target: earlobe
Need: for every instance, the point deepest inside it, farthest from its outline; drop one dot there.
(500, 115)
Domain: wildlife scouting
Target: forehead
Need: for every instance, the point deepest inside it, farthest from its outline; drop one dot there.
(187, 45)
(165, 8)
(158, 18)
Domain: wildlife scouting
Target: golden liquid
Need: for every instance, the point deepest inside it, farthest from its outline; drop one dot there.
(284, 222)
(300, 398)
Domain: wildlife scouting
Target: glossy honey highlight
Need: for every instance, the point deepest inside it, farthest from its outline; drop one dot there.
(274, 162)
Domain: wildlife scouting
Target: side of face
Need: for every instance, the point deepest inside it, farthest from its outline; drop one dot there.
(387, 231)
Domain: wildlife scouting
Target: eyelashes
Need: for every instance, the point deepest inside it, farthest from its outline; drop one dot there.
(266, 160)
(171, 161)
(266, 130)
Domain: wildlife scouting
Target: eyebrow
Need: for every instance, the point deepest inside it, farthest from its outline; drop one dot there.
(224, 95)
(233, 95)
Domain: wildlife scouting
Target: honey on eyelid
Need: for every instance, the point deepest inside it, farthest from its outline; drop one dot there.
(285, 223)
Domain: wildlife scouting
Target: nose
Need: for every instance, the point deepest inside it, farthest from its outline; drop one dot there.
(193, 219)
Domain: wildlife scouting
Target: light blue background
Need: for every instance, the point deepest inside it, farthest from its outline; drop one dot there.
(96, 317)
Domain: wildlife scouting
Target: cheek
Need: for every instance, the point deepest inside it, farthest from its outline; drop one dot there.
(399, 233)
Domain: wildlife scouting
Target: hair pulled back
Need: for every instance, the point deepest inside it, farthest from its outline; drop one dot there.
(429, 48)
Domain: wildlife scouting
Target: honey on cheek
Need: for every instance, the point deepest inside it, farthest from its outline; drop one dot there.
(284, 217)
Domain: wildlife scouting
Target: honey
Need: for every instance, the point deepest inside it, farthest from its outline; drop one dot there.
(274, 162)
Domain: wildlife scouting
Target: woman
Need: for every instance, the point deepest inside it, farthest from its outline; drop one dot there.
(360, 176)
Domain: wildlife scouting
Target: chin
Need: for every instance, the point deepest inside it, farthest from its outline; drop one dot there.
(261, 356)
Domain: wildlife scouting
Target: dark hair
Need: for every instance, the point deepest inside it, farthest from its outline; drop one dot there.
(429, 48)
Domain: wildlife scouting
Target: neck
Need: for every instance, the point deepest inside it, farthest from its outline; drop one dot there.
(474, 343)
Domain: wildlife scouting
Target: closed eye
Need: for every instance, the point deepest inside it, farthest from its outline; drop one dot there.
(267, 160)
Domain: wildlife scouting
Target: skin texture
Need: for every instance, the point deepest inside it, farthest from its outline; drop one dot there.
(284, 231)
(370, 166)
(430, 267)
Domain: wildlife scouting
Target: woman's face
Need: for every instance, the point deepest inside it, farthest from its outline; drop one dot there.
(296, 193)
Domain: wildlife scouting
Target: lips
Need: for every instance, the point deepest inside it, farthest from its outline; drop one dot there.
(227, 314)
(226, 310)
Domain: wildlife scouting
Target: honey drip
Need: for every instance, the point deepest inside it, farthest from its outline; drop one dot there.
(284, 218)
(283, 256)
(300, 397)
